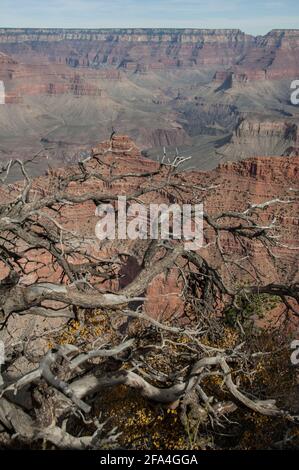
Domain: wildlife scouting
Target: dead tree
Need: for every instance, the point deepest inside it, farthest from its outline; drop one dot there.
(36, 233)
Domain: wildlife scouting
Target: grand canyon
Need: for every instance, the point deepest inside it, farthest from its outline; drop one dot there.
(178, 343)
(217, 95)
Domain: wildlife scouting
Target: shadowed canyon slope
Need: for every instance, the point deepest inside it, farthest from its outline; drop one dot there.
(216, 95)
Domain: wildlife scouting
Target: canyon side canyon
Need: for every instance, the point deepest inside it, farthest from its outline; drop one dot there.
(216, 95)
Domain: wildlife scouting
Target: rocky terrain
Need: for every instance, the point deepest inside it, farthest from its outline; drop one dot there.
(235, 187)
(118, 102)
(216, 95)
(104, 311)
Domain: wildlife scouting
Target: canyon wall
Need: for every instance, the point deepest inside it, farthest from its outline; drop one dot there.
(214, 94)
(272, 137)
(273, 56)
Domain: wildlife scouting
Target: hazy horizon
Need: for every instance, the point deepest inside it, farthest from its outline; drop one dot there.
(118, 28)
(257, 17)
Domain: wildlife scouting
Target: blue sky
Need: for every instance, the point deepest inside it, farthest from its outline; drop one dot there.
(252, 16)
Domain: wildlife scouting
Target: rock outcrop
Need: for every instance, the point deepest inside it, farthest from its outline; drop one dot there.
(272, 137)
